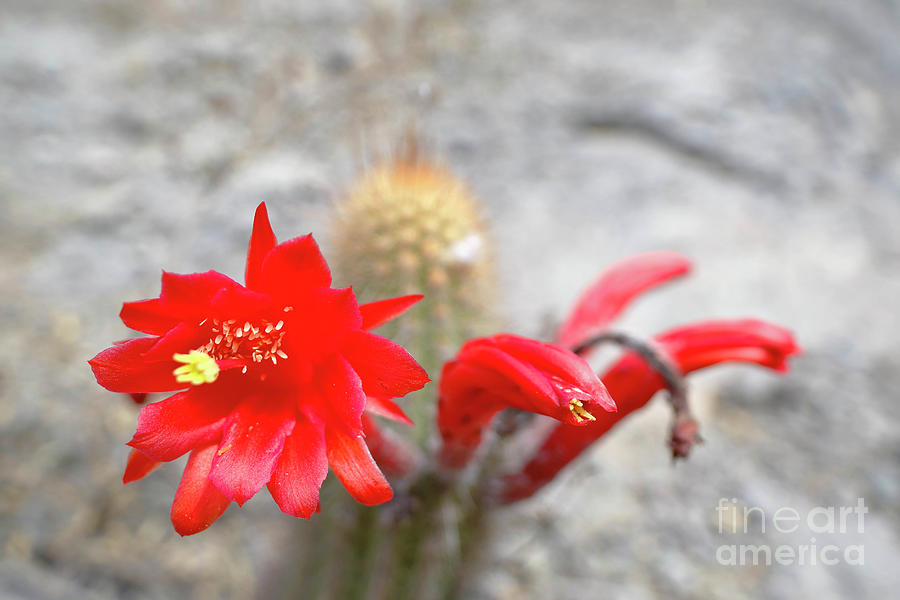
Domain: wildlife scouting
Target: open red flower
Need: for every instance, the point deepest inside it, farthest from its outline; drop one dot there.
(632, 381)
(274, 379)
(508, 371)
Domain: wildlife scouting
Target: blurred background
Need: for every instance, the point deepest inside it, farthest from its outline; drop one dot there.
(760, 138)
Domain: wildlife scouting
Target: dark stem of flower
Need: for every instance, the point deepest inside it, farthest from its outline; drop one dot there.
(684, 427)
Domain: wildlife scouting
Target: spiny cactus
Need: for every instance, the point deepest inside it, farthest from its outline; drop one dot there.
(411, 227)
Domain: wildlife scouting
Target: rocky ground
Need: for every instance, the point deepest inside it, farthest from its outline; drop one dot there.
(760, 138)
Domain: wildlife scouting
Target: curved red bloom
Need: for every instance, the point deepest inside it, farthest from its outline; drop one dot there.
(272, 381)
(614, 289)
(633, 383)
(503, 371)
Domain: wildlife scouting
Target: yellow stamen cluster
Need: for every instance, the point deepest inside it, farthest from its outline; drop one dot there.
(412, 210)
(579, 411)
(257, 342)
(199, 368)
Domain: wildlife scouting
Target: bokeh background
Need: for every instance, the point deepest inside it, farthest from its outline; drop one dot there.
(761, 138)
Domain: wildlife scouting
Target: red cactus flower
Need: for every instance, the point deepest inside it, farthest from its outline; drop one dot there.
(273, 379)
(633, 383)
(490, 374)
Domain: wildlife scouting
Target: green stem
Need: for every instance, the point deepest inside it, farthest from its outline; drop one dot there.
(409, 542)
(362, 543)
(472, 530)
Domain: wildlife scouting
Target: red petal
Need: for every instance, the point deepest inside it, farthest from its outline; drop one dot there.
(139, 465)
(378, 313)
(387, 409)
(730, 333)
(262, 240)
(122, 368)
(386, 369)
(633, 383)
(147, 316)
(300, 471)
(611, 293)
(291, 267)
(176, 425)
(547, 358)
(342, 394)
(239, 302)
(748, 340)
(351, 461)
(252, 441)
(197, 502)
(182, 338)
(320, 322)
(554, 360)
(188, 296)
(535, 391)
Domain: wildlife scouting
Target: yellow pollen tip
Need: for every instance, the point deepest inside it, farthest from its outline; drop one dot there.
(579, 411)
(198, 368)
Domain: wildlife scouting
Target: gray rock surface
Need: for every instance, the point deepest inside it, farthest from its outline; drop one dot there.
(761, 138)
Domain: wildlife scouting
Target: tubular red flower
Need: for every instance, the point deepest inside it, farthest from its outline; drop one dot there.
(272, 379)
(503, 371)
(611, 293)
(377, 313)
(633, 383)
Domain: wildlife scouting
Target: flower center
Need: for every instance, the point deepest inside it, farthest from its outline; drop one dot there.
(256, 341)
(579, 411)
